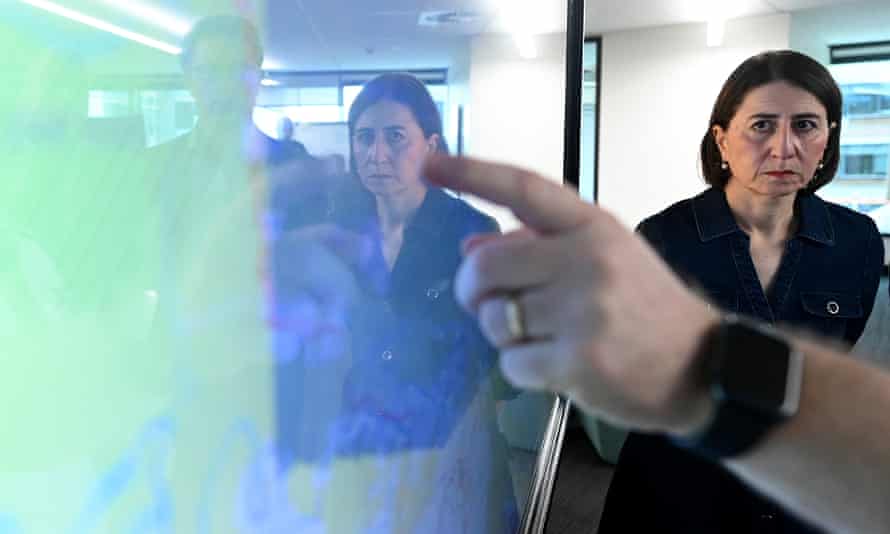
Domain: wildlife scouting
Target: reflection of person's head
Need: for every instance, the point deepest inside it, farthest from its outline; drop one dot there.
(221, 59)
(285, 129)
(775, 127)
(393, 125)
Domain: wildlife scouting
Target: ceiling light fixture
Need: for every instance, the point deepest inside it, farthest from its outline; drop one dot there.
(147, 13)
(716, 29)
(99, 24)
(269, 82)
(519, 17)
(528, 49)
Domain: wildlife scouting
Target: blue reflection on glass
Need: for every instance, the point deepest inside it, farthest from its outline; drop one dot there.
(411, 387)
(144, 463)
(8, 525)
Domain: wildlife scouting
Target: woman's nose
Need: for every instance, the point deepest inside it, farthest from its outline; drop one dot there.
(378, 151)
(784, 142)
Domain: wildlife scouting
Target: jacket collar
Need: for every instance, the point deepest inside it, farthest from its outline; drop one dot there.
(359, 208)
(432, 215)
(714, 219)
(815, 222)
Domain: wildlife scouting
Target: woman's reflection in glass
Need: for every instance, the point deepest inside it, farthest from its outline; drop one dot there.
(421, 394)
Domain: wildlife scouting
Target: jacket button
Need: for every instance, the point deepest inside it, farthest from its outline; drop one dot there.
(432, 293)
(832, 307)
(386, 355)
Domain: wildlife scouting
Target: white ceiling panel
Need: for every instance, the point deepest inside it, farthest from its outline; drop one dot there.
(385, 34)
(607, 15)
(797, 5)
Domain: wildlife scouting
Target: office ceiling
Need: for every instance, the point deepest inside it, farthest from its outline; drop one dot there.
(354, 34)
(606, 15)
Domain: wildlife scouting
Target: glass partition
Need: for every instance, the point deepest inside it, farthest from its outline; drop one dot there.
(863, 173)
(226, 298)
(852, 41)
(590, 81)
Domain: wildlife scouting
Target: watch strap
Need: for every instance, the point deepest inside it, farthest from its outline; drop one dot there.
(735, 426)
(733, 430)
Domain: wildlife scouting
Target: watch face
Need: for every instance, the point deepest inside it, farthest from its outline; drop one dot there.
(754, 369)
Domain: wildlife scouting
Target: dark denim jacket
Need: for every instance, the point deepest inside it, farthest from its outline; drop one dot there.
(418, 358)
(826, 283)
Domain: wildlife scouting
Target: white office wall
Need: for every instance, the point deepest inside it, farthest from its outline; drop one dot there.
(517, 106)
(658, 87)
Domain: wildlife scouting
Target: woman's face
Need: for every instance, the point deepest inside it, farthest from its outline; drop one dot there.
(389, 149)
(775, 141)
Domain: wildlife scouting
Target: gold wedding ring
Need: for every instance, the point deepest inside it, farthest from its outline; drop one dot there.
(515, 319)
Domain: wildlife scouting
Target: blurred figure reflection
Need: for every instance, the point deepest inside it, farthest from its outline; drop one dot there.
(226, 192)
(226, 176)
(222, 63)
(285, 129)
(421, 395)
(334, 164)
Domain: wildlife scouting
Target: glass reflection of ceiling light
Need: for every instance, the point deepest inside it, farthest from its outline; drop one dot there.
(519, 19)
(99, 24)
(269, 82)
(528, 49)
(716, 29)
(153, 15)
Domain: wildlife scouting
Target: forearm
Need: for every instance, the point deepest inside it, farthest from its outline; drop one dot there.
(831, 462)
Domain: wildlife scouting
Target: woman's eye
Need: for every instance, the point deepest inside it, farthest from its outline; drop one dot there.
(805, 125)
(395, 136)
(364, 138)
(762, 126)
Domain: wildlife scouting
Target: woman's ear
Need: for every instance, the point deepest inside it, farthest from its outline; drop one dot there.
(720, 138)
(432, 143)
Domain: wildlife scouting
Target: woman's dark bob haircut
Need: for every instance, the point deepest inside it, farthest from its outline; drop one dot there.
(787, 66)
(404, 89)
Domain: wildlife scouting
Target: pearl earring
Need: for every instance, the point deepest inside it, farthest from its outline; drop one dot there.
(821, 165)
(724, 165)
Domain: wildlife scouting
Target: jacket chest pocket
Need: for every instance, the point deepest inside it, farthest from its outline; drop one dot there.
(830, 312)
(432, 299)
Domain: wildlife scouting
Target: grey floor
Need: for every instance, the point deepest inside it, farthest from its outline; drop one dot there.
(874, 345)
(583, 479)
(581, 484)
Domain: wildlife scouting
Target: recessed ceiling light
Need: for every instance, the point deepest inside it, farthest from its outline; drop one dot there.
(528, 49)
(716, 29)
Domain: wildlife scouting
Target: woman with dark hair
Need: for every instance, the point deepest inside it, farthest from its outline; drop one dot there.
(419, 401)
(759, 242)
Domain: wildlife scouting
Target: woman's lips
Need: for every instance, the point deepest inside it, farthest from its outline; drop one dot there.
(781, 174)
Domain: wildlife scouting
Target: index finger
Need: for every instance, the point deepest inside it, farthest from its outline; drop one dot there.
(537, 202)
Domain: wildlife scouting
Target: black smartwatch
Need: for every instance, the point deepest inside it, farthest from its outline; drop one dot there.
(754, 378)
